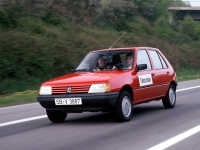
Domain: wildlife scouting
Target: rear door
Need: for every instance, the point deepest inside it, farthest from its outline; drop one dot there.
(161, 73)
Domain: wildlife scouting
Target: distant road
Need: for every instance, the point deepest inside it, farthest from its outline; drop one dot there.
(150, 126)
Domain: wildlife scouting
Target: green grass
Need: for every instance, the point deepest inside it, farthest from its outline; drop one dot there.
(19, 98)
(188, 74)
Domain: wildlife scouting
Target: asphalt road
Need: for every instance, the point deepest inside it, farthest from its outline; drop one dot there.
(149, 126)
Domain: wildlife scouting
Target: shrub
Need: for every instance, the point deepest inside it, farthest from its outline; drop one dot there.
(9, 16)
(191, 28)
(52, 18)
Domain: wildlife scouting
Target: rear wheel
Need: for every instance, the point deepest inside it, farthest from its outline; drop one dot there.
(56, 116)
(169, 100)
(124, 107)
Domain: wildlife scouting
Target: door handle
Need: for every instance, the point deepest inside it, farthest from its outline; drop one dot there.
(168, 72)
(153, 74)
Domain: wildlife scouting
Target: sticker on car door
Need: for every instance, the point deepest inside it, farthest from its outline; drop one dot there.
(145, 79)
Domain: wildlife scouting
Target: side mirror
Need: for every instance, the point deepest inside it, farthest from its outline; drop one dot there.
(71, 70)
(141, 67)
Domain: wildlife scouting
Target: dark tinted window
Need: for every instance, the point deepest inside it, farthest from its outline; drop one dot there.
(156, 60)
(143, 58)
(163, 62)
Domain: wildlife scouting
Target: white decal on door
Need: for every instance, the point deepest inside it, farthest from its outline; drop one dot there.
(145, 79)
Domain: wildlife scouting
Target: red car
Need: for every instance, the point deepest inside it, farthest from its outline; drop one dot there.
(111, 80)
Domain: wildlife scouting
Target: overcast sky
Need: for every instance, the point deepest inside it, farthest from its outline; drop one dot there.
(194, 2)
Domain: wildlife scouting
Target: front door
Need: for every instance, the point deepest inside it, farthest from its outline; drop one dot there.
(146, 90)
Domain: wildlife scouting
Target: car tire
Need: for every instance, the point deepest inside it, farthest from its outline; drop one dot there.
(56, 116)
(169, 100)
(124, 107)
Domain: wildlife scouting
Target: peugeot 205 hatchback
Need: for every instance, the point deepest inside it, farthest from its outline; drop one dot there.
(111, 80)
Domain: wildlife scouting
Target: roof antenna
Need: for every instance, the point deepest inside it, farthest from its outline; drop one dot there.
(117, 40)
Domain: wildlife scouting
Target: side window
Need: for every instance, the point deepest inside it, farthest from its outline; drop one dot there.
(156, 60)
(143, 58)
(163, 62)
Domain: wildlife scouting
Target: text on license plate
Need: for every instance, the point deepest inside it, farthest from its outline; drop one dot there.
(68, 101)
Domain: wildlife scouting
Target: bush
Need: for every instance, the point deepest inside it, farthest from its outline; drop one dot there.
(116, 13)
(9, 16)
(191, 28)
(151, 9)
(162, 28)
(52, 18)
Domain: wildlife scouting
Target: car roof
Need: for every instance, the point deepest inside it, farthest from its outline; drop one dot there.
(125, 48)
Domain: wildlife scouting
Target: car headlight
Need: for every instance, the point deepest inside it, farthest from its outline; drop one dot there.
(99, 88)
(46, 90)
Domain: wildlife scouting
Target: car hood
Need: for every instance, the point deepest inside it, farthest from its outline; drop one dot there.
(83, 78)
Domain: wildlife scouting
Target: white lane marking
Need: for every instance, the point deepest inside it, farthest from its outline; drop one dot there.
(20, 105)
(176, 139)
(22, 120)
(194, 87)
(179, 137)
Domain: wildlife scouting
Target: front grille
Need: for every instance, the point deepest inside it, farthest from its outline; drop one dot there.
(74, 89)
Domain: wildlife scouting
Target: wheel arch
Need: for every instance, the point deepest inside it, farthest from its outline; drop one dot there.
(174, 84)
(128, 89)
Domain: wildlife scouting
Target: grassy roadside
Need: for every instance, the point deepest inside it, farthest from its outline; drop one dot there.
(19, 98)
(188, 74)
(30, 96)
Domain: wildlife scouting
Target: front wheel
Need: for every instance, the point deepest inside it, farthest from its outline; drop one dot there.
(124, 107)
(169, 100)
(56, 116)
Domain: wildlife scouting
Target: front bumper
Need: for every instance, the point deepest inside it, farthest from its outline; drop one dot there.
(90, 102)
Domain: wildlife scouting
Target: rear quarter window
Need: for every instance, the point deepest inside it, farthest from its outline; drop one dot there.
(162, 61)
(157, 59)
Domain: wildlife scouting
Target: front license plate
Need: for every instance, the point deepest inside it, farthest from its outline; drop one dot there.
(68, 101)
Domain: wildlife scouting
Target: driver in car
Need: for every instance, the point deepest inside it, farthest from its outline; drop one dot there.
(101, 62)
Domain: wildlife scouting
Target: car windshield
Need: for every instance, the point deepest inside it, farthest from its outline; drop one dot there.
(106, 60)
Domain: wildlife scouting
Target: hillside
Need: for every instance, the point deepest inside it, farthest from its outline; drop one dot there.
(44, 39)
